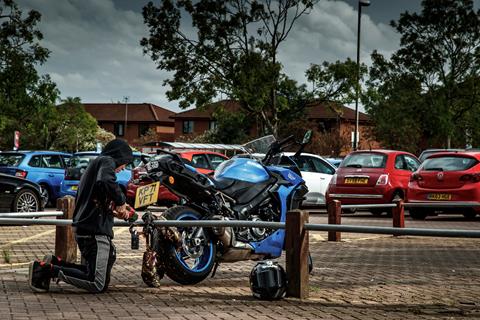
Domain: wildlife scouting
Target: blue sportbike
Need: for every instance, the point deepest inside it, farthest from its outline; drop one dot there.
(242, 188)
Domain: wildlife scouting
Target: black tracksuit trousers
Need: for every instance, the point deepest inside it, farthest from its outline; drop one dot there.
(99, 254)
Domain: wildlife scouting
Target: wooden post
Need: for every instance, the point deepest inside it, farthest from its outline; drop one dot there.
(65, 244)
(296, 246)
(398, 213)
(334, 217)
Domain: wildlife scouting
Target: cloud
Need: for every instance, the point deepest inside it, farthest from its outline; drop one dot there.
(329, 33)
(96, 53)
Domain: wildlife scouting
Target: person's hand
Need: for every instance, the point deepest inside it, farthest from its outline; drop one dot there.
(121, 212)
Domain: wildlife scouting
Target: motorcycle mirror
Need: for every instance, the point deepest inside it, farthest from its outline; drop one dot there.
(307, 137)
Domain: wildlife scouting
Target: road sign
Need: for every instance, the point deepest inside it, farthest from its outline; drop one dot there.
(16, 140)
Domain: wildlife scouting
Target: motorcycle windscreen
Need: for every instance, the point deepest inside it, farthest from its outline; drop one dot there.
(242, 169)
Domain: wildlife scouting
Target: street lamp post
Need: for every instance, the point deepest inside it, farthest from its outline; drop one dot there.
(361, 3)
(126, 115)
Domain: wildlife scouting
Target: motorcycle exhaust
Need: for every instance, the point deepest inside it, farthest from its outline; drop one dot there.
(234, 250)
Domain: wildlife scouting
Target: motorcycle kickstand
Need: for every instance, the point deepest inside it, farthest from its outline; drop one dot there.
(215, 269)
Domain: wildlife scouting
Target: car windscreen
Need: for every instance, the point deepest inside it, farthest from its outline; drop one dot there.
(449, 163)
(11, 159)
(365, 160)
(81, 161)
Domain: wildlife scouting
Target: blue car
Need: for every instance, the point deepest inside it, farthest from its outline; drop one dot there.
(45, 168)
(79, 162)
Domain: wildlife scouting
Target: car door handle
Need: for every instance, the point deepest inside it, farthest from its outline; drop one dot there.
(51, 175)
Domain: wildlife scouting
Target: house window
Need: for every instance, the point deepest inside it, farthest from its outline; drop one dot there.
(188, 126)
(119, 129)
(142, 129)
(212, 125)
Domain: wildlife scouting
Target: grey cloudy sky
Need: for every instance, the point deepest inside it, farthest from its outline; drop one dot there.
(95, 51)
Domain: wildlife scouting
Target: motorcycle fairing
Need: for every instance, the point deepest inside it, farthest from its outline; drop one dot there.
(272, 245)
(243, 169)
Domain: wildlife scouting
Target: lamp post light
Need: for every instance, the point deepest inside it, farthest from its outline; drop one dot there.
(361, 3)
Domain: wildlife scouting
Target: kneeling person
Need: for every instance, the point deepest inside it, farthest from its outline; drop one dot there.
(93, 225)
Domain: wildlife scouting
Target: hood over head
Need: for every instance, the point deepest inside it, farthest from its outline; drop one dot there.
(119, 150)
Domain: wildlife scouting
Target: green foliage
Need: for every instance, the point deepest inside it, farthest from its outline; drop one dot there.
(429, 87)
(26, 99)
(233, 51)
(74, 128)
(335, 81)
(232, 127)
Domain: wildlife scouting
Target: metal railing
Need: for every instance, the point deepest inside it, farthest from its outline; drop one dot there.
(296, 240)
(261, 224)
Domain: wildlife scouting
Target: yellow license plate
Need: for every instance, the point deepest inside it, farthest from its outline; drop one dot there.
(356, 180)
(74, 188)
(439, 196)
(147, 194)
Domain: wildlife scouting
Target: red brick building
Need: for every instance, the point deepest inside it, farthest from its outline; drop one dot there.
(195, 122)
(132, 120)
(341, 120)
(334, 118)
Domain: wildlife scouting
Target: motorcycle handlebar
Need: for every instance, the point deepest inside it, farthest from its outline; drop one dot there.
(287, 139)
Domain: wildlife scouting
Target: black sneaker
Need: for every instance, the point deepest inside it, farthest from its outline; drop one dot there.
(39, 276)
(52, 259)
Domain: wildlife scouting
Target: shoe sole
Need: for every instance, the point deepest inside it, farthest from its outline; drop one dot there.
(30, 276)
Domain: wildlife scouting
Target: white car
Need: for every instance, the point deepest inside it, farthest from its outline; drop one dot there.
(317, 173)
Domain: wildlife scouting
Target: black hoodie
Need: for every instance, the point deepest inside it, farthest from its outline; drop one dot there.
(97, 188)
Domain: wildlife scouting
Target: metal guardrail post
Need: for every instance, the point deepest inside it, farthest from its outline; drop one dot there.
(398, 213)
(296, 247)
(65, 245)
(334, 217)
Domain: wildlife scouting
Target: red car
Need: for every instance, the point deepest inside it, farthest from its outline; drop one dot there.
(446, 177)
(204, 161)
(372, 177)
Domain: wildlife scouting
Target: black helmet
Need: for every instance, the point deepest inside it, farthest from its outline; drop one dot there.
(268, 280)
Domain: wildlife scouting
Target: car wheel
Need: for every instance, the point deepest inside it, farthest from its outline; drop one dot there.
(26, 201)
(416, 214)
(377, 212)
(349, 211)
(469, 215)
(45, 194)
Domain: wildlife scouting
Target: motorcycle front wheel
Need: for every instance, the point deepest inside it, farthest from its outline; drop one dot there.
(194, 261)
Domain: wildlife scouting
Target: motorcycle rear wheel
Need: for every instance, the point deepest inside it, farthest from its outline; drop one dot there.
(192, 263)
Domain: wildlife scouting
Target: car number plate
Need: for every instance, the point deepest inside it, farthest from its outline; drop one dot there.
(356, 180)
(147, 194)
(439, 196)
(74, 188)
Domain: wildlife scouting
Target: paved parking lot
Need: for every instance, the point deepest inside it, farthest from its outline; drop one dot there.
(362, 277)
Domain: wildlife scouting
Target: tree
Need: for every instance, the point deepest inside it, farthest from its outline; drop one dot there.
(26, 99)
(75, 129)
(232, 51)
(335, 81)
(440, 58)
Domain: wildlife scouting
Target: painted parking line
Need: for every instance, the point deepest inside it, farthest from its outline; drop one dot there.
(26, 239)
(318, 238)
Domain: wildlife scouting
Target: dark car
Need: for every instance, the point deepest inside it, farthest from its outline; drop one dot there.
(46, 168)
(20, 195)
